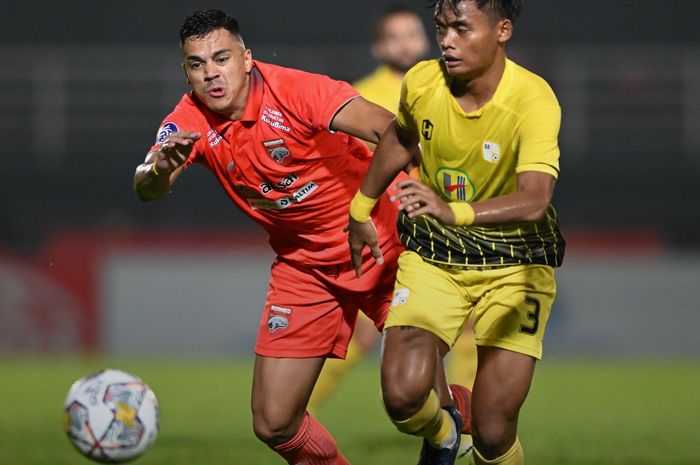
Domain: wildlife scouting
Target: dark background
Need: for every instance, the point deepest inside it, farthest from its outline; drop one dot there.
(84, 86)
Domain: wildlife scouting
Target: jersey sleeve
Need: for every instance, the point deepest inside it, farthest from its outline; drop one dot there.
(181, 120)
(538, 139)
(320, 98)
(404, 118)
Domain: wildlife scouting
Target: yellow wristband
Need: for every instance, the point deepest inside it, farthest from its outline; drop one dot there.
(464, 213)
(154, 169)
(361, 207)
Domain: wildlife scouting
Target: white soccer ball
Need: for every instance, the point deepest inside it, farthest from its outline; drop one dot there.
(111, 416)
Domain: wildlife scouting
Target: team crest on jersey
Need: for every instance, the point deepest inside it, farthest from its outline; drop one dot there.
(455, 184)
(491, 152)
(277, 150)
(165, 130)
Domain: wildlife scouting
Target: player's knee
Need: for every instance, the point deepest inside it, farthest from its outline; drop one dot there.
(494, 434)
(403, 400)
(272, 431)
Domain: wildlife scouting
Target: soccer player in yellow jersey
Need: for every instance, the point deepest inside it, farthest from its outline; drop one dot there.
(400, 42)
(481, 236)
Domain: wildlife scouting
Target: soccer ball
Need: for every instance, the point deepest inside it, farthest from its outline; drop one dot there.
(111, 416)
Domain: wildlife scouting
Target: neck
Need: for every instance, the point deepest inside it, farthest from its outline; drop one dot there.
(481, 88)
(235, 112)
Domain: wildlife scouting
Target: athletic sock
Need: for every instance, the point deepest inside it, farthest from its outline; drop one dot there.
(312, 445)
(431, 422)
(513, 457)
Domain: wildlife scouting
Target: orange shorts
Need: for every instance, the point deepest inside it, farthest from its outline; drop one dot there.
(311, 311)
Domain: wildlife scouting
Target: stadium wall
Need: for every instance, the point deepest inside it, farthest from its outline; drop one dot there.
(201, 293)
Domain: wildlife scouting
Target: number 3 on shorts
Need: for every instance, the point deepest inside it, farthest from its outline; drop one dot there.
(533, 316)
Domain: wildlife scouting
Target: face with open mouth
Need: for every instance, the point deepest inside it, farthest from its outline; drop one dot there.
(217, 66)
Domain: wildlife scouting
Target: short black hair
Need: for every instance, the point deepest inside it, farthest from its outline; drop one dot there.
(202, 22)
(389, 12)
(497, 9)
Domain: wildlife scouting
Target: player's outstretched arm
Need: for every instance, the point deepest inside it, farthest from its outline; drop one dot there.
(158, 172)
(396, 149)
(362, 119)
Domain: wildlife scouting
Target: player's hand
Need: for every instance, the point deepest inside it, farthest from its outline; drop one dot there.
(418, 199)
(359, 236)
(175, 150)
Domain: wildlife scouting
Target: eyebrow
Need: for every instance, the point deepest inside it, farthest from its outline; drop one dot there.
(214, 55)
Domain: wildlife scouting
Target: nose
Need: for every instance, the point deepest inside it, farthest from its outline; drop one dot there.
(210, 71)
(446, 41)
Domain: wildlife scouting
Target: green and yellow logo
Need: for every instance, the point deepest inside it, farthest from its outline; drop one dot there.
(455, 184)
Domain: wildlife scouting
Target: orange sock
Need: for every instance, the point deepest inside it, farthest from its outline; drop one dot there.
(312, 445)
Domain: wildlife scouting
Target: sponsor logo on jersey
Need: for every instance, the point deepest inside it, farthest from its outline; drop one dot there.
(284, 202)
(400, 297)
(491, 152)
(230, 166)
(165, 130)
(455, 184)
(275, 119)
(427, 129)
(213, 138)
(275, 322)
(281, 185)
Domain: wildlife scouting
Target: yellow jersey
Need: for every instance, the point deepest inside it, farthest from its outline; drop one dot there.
(468, 157)
(382, 87)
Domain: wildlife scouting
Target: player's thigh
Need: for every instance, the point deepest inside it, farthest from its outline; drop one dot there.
(501, 386)
(426, 297)
(281, 390)
(513, 307)
(303, 317)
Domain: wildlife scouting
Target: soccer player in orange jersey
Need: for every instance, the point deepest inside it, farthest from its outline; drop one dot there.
(285, 146)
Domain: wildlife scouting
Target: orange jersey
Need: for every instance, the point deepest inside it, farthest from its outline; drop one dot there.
(282, 165)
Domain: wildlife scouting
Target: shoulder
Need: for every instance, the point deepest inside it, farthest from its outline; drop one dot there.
(422, 79)
(529, 89)
(274, 74)
(427, 73)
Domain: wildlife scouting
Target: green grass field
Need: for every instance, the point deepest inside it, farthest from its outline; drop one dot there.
(578, 412)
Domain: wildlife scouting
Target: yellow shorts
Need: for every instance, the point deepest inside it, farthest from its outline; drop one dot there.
(510, 306)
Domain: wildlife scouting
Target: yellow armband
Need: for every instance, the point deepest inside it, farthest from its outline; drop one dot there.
(464, 213)
(361, 206)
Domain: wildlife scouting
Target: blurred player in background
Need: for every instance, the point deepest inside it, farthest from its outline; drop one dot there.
(399, 43)
(282, 144)
(481, 236)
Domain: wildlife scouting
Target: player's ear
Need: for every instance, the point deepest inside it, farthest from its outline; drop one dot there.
(505, 30)
(248, 60)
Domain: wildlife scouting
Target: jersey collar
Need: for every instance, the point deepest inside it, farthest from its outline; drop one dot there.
(255, 94)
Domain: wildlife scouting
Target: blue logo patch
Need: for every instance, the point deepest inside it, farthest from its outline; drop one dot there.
(165, 130)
